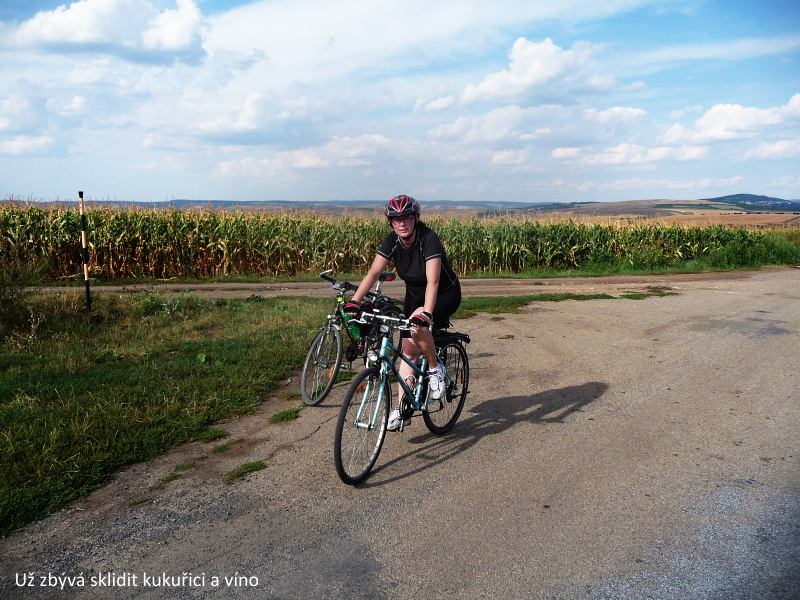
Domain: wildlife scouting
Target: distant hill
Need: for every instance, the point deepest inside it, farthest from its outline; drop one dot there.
(336, 206)
(648, 208)
(754, 202)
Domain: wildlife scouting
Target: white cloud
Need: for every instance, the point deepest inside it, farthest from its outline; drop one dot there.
(23, 144)
(162, 141)
(566, 152)
(132, 29)
(65, 108)
(498, 124)
(174, 29)
(731, 50)
(86, 22)
(638, 183)
(94, 71)
(630, 154)
(313, 39)
(566, 123)
(15, 113)
(440, 103)
(615, 114)
(776, 150)
(679, 114)
(532, 64)
(342, 152)
(539, 132)
(251, 114)
(732, 122)
(792, 108)
(787, 181)
(510, 157)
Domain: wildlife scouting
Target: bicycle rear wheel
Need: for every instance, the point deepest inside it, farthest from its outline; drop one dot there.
(358, 442)
(443, 414)
(322, 364)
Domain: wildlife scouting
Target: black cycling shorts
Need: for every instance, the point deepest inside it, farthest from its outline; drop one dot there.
(447, 302)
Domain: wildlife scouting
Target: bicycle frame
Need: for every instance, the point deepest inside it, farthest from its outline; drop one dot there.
(387, 365)
(386, 358)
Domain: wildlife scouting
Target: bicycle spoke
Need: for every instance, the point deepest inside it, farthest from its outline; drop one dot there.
(321, 365)
(357, 445)
(442, 418)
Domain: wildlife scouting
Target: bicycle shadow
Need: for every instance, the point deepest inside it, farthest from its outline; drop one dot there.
(492, 417)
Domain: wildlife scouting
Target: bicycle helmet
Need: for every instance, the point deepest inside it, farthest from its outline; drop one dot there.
(400, 206)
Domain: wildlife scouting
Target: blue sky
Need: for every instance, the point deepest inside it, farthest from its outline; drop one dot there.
(458, 99)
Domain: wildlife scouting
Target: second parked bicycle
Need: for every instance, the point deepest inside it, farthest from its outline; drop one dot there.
(327, 352)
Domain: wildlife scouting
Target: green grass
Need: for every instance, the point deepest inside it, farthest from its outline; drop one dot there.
(243, 470)
(88, 396)
(177, 473)
(290, 414)
(513, 304)
(210, 434)
(343, 376)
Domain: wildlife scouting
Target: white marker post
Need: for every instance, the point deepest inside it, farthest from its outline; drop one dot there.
(85, 254)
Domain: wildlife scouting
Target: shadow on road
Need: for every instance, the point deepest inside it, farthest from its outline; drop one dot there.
(490, 418)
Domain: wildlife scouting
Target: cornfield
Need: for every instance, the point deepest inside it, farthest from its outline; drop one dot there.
(161, 245)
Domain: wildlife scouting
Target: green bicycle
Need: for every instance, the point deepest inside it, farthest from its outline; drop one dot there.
(325, 353)
(361, 428)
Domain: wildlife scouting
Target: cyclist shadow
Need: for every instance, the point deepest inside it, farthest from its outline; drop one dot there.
(491, 418)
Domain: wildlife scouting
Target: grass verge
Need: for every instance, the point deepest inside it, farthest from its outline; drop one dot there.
(513, 304)
(145, 373)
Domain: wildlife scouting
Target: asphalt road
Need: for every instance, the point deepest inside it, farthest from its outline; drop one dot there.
(608, 449)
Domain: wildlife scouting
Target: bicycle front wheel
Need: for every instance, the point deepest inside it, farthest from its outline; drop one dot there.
(443, 414)
(322, 364)
(361, 428)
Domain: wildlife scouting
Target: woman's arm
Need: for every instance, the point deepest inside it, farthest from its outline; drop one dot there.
(379, 265)
(433, 270)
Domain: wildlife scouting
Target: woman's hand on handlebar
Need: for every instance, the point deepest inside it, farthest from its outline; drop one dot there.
(353, 308)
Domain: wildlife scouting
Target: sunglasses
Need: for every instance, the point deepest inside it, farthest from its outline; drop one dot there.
(401, 219)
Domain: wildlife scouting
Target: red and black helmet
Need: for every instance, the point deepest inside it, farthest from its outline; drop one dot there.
(400, 206)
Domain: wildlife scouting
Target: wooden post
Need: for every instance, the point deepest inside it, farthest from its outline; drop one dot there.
(85, 254)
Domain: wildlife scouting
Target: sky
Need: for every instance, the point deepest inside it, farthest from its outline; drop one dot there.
(516, 100)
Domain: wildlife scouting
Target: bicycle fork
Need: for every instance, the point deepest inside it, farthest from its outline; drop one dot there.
(383, 378)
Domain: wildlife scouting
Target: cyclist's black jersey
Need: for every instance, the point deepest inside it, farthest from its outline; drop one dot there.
(410, 262)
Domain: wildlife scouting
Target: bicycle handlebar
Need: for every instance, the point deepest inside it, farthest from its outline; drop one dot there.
(344, 285)
(402, 324)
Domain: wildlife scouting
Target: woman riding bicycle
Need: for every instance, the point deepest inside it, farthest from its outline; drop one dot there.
(433, 291)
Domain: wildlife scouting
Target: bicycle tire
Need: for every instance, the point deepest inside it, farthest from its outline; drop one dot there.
(355, 449)
(321, 366)
(442, 415)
